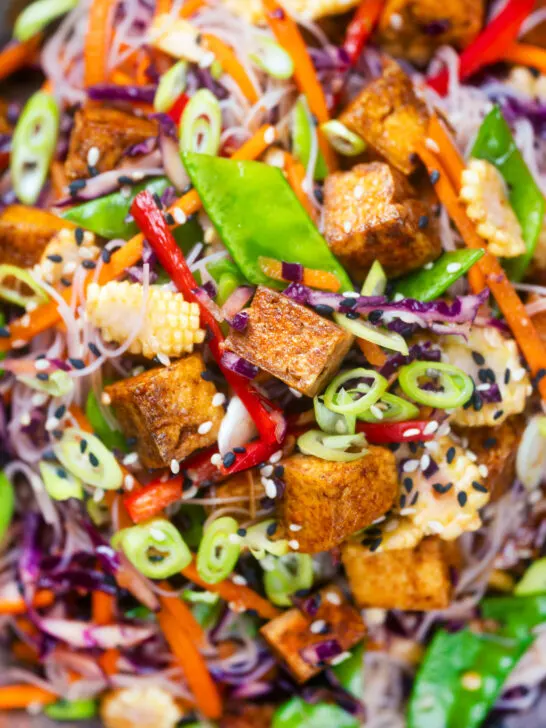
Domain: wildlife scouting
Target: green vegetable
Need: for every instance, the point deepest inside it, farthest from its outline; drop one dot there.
(376, 281)
(257, 215)
(57, 384)
(332, 422)
(272, 58)
(86, 457)
(59, 484)
(291, 573)
(428, 284)
(456, 386)
(302, 127)
(342, 139)
(38, 16)
(201, 124)
(23, 276)
(33, 145)
(171, 85)
(363, 330)
(259, 544)
(72, 710)
(190, 519)
(219, 550)
(113, 439)
(393, 409)
(335, 448)
(155, 548)
(533, 581)
(362, 395)
(460, 678)
(207, 614)
(518, 615)
(7, 504)
(296, 713)
(349, 672)
(496, 144)
(107, 215)
(200, 597)
(139, 612)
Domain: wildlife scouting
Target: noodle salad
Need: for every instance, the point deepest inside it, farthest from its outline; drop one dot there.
(273, 363)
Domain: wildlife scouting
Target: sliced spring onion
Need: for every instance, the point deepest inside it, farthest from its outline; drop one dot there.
(376, 281)
(24, 277)
(259, 544)
(363, 330)
(332, 422)
(456, 386)
(33, 146)
(531, 457)
(83, 709)
(99, 513)
(155, 548)
(200, 597)
(7, 504)
(216, 69)
(533, 581)
(390, 408)
(201, 124)
(343, 140)
(219, 550)
(38, 16)
(362, 395)
(272, 58)
(85, 456)
(171, 85)
(60, 484)
(57, 384)
(335, 448)
(302, 128)
(290, 574)
(113, 439)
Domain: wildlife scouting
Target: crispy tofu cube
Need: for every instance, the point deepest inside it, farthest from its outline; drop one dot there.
(417, 578)
(290, 342)
(372, 213)
(294, 633)
(25, 233)
(414, 29)
(246, 715)
(145, 706)
(330, 501)
(164, 408)
(390, 117)
(110, 131)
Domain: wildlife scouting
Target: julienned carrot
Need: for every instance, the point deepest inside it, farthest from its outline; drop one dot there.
(97, 40)
(19, 697)
(183, 615)
(42, 598)
(288, 35)
(231, 65)
(193, 665)
(16, 55)
(103, 610)
(239, 596)
(494, 276)
(46, 316)
(21, 214)
(526, 55)
(295, 174)
(373, 353)
(190, 7)
(162, 6)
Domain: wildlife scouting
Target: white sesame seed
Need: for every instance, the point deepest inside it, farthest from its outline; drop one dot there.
(432, 446)
(376, 412)
(295, 392)
(351, 294)
(239, 580)
(218, 399)
(106, 399)
(216, 459)
(471, 681)
(398, 297)
(453, 267)
(19, 343)
(435, 526)
(529, 390)
(444, 429)
(428, 266)
(190, 493)
(410, 466)
(294, 545)
(317, 626)
(157, 534)
(270, 135)
(347, 226)
(175, 466)
(535, 496)
(358, 192)
(295, 527)
(204, 427)
(38, 399)
(179, 216)
(518, 374)
(340, 658)
(25, 321)
(425, 461)
(129, 482)
(51, 423)
(41, 365)
(24, 419)
(234, 538)
(483, 470)
(483, 387)
(408, 511)
(93, 156)
(471, 455)
(430, 427)
(270, 487)
(396, 21)
(410, 432)
(266, 471)
(432, 145)
(131, 458)
(379, 520)
(276, 457)
(333, 598)
(163, 359)
(375, 617)
(69, 267)
(98, 495)
(392, 525)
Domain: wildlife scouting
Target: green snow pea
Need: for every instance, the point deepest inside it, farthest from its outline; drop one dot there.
(496, 144)
(7, 504)
(428, 284)
(533, 581)
(113, 439)
(257, 214)
(461, 677)
(349, 672)
(301, 138)
(518, 615)
(72, 710)
(296, 713)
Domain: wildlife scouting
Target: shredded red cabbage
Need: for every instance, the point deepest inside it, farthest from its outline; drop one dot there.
(239, 365)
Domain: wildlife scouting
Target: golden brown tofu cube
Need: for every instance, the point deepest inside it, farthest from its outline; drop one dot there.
(496, 448)
(164, 408)
(414, 29)
(331, 501)
(301, 637)
(372, 213)
(247, 715)
(390, 117)
(24, 234)
(417, 578)
(110, 131)
(290, 342)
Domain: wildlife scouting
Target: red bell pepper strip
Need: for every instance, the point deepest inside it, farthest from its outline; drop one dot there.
(382, 433)
(490, 45)
(266, 415)
(360, 28)
(148, 501)
(177, 109)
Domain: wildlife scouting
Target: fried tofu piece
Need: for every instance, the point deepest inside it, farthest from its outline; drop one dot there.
(289, 341)
(164, 408)
(372, 213)
(417, 578)
(252, 10)
(246, 715)
(110, 131)
(140, 707)
(331, 501)
(292, 637)
(496, 448)
(25, 233)
(415, 29)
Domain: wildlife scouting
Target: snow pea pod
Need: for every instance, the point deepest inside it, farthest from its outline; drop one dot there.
(258, 215)
(349, 672)
(7, 504)
(296, 713)
(427, 284)
(84, 709)
(113, 439)
(496, 145)
(518, 615)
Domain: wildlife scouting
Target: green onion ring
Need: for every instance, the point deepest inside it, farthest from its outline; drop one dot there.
(201, 124)
(219, 550)
(457, 386)
(363, 330)
(23, 276)
(38, 15)
(370, 395)
(376, 281)
(290, 574)
(272, 58)
(332, 422)
(59, 484)
(342, 139)
(58, 384)
(170, 552)
(171, 85)
(333, 448)
(397, 409)
(259, 543)
(86, 457)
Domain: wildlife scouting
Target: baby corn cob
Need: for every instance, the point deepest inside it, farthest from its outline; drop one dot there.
(169, 325)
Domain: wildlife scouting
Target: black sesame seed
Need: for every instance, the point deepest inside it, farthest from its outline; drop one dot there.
(272, 529)
(93, 459)
(437, 210)
(4, 333)
(93, 348)
(434, 176)
(375, 316)
(207, 376)
(393, 446)
(489, 442)
(408, 484)
(450, 455)
(442, 488)
(349, 302)
(83, 446)
(157, 200)
(93, 171)
(228, 459)
(323, 309)
(89, 264)
(78, 236)
(375, 544)
(402, 501)
(538, 376)
(239, 450)
(352, 315)
(478, 358)
(479, 487)
(74, 187)
(278, 471)
(462, 498)
(507, 376)
(169, 219)
(498, 414)
(55, 258)
(42, 376)
(319, 195)
(534, 71)
(482, 375)
(477, 401)
(415, 498)
(125, 180)
(66, 282)
(413, 157)
(60, 412)
(241, 532)
(57, 434)
(106, 255)
(62, 473)
(131, 441)
(423, 222)
(77, 363)
(491, 375)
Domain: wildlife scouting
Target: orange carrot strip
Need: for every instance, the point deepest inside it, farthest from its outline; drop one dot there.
(24, 652)
(43, 598)
(162, 6)
(103, 611)
(190, 7)
(373, 353)
(193, 665)
(241, 596)
(19, 697)
(295, 174)
(16, 55)
(183, 615)
(121, 78)
(58, 179)
(231, 65)
(526, 55)
(97, 41)
(21, 214)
